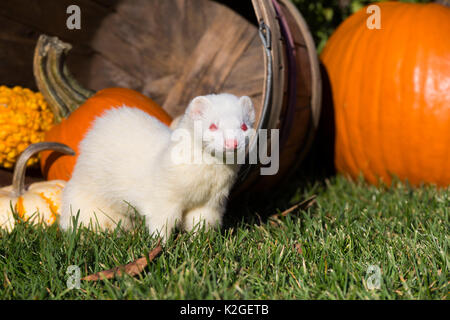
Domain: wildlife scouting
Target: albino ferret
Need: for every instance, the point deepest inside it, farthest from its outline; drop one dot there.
(127, 158)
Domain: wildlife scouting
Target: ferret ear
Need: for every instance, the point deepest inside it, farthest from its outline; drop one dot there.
(247, 104)
(198, 107)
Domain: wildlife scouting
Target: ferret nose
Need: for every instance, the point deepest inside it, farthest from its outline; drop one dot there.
(231, 143)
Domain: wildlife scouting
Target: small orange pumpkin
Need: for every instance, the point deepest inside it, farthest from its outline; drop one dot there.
(72, 129)
(391, 93)
(74, 107)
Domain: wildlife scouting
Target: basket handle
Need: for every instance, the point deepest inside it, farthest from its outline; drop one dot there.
(266, 39)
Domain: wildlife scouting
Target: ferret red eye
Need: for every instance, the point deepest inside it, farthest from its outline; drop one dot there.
(244, 127)
(213, 127)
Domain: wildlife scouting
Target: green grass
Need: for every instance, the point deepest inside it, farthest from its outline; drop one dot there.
(321, 253)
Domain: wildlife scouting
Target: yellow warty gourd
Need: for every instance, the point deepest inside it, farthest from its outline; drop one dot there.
(24, 118)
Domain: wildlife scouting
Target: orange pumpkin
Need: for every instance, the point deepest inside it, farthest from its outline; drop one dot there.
(71, 130)
(391, 94)
(75, 107)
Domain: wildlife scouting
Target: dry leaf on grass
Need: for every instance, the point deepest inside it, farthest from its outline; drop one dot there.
(132, 268)
(298, 248)
(305, 204)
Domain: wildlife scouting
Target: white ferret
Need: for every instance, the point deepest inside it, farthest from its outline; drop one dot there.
(127, 158)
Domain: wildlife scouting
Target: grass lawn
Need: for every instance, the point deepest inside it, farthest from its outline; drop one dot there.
(322, 252)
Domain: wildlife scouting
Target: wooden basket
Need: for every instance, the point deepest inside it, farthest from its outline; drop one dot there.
(174, 50)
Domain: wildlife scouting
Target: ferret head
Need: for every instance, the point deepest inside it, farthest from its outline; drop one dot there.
(226, 121)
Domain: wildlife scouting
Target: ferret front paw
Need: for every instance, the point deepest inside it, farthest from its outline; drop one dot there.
(162, 227)
(198, 218)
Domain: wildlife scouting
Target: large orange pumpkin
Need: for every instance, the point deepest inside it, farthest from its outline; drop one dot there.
(391, 94)
(57, 166)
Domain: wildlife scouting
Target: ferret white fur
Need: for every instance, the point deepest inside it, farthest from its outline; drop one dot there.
(126, 159)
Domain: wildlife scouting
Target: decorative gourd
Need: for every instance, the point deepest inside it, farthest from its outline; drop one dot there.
(391, 94)
(75, 107)
(24, 118)
(40, 201)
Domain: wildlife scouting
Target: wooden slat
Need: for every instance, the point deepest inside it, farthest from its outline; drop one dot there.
(247, 77)
(209, 65)
(47, 16)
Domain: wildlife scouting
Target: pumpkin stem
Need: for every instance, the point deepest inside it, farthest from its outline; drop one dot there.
(63, 93)
(18, 183)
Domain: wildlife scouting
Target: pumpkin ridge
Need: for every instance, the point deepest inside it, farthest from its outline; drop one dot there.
(53, 208)
(411, 47)
(422, 60)
(403, 43)
(20, 209)
(377, 162)
(360, 114)
(443, 176)
(391, 139)
(352, 157)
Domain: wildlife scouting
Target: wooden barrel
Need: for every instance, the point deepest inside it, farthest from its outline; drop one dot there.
(174, 50)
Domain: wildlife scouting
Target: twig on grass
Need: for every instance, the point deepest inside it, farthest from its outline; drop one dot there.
(132, 268)
(305, 204)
